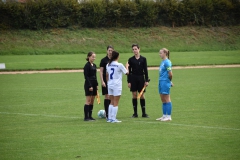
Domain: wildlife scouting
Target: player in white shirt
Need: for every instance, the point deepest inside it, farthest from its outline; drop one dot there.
(114, 80)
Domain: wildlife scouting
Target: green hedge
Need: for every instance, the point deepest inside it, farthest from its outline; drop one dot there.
(41, 14)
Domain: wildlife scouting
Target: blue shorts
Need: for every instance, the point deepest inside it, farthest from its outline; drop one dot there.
(164, 87)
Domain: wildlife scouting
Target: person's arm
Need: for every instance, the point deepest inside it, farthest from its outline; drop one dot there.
(129, 73)
(107, 76)
(124, 70)
(86, 73)
(106, 73)
(169, 69)
(129, 68)
(146, 72)
(102, 65)
(170, 75)
(96, 75)
(101, 76)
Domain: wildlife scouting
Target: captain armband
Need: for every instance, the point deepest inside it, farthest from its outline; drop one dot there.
(169, 68)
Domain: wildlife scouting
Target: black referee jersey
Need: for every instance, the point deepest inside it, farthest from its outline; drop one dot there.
(90, 75)
(103, 64)
(137, 67)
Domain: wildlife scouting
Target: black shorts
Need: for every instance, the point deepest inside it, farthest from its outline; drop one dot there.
(90, 93)
(105, 89)
(137, 83)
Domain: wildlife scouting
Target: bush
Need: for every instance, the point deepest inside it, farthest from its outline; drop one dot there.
(41, 14)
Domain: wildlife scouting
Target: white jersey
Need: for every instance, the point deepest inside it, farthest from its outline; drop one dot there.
(115, 71)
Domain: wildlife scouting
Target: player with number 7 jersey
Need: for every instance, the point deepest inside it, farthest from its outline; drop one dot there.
(115, 71)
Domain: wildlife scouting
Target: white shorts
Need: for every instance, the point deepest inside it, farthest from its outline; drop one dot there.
(114, 92)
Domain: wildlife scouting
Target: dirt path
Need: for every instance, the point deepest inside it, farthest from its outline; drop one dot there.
(149, 68)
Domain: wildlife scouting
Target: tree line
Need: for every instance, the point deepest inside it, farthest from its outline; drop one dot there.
(42, 14)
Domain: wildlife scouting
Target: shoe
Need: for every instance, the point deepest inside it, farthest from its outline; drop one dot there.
(116, 121)
(159, 119)
(134, 116)
(92, 119)
(109, 120)
(86, 119)
(166, 119)
(145, 116)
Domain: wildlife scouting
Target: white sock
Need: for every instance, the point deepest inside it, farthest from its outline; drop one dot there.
(110, 111)
(115, 110)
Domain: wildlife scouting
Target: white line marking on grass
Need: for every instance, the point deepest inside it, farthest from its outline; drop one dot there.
(149, 68)
(189, 125)
(43, 115)
(167, 123)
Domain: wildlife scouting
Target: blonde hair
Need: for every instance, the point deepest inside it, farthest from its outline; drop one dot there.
(166, 51)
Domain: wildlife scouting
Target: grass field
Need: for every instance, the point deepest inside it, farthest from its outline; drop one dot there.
(41, 117)
(77, 61)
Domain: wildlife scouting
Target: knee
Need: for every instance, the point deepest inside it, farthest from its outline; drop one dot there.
(134, 95)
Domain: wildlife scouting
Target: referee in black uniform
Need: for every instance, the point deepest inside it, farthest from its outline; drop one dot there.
(137, 78)
(103, 65)
(90, 85)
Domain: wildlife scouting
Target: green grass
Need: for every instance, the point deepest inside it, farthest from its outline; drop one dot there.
(78, 41)
(77, 61)
(41, 117)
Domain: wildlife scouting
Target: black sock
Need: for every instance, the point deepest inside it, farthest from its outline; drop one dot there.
(90, 110)
(86, 110)
(106, 105)
(142, 102)
(134, 102)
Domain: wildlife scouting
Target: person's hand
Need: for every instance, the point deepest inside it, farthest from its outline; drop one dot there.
(91, 89)
(129, 85)
(127, 65)
(103, 84)
(172, 84)
(146, 83)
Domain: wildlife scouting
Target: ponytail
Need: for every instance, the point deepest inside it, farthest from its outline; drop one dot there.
(167, 52)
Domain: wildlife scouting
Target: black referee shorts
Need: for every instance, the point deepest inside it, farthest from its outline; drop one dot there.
(137, 83)
(91, 93)
(105, 89)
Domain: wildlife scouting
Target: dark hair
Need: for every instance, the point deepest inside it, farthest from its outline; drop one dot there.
(165, 50)
(89, 55)
(109, 47)
(115, 55)
(135, 45)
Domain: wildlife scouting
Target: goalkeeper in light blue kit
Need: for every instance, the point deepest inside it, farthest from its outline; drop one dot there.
(165, 83)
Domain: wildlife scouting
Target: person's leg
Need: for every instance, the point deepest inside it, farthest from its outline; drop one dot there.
(134, 103)
(140, 86)
(106, 98)
(87, 108)
(115, 108)
(110, 109)
(164, 91)
(167, 107)
(91, 108)
(133, 89)
(106, 104)
(143, 106)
